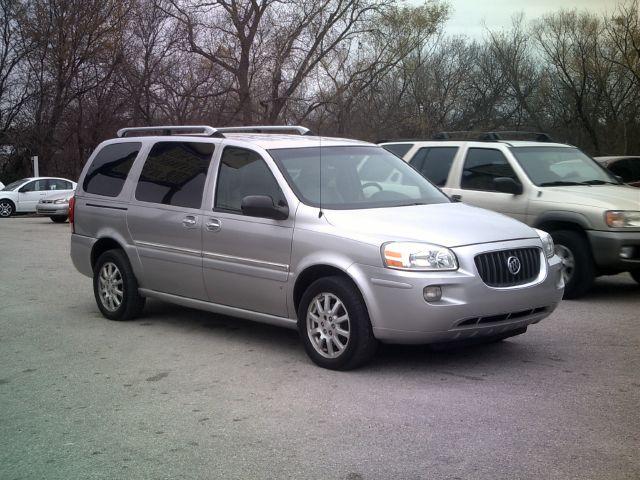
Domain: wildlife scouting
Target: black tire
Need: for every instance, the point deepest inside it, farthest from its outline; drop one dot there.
(635, 274)
(132, 302)
(584, 270)
(7, 208)
(59, 219)
(361, 344)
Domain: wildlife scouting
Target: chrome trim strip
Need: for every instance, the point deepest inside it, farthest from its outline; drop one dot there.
(246, 261)
(168, 248)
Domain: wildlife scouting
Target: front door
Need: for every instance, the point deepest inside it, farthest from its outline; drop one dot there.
(165, 217)
(30, 194)
(246, 259)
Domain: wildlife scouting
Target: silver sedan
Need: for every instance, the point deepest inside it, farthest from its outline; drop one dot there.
(55, 207)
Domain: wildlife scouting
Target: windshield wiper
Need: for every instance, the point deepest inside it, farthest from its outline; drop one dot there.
(561, 183)
(600, 182)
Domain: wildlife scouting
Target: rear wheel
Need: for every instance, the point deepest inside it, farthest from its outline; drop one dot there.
(635, 275)
(116, 287)
(334, 324)
(7, 208)
(578, 270)
(58, 219)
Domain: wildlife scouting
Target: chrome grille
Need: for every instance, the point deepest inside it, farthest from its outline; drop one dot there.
(494, 270)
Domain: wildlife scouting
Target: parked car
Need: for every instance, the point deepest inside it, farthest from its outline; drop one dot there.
(593, 218)
(23, 195)
(627, 168)
(295, 230)
(55, 207)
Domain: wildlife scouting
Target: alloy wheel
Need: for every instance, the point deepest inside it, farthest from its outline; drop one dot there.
(110, 286)
(328, 325)
(6, 209)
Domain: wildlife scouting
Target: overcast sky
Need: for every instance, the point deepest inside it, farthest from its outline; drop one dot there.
(468, 15)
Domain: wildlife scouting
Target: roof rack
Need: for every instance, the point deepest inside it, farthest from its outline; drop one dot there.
(493, 136)
(207, 131)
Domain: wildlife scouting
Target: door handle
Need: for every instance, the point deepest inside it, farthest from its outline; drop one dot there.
(189, 221)
(213, 225)
(456, 198)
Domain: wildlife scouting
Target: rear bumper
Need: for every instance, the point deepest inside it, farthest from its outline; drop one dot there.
(81, 247)
(607, 248)
(468, 308)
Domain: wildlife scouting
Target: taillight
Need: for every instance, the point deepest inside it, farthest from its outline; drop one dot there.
(72, 209)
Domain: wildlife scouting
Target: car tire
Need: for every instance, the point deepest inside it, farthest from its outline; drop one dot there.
(58, 219)
(7, 208)
(110, 271)
(322, 326)
(635, 274)
(578, 267)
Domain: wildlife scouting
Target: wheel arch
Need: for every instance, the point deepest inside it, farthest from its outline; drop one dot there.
(102, 245)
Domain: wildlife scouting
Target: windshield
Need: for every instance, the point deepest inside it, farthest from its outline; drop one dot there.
(354, 177)
(14, 185)
(551, 166)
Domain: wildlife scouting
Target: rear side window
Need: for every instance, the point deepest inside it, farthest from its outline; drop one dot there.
(242, 173)
(174, 174)
(482, 166)
(55, 184)
(110, 168)
(398, 149)
(434, 163)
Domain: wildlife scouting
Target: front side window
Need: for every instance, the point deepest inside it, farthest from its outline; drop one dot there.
(560, 166)
(244, 172)
(435, 163)
(175, 173)
(482, 166)
(353, 177)
(628, 169)
(35, 186)
(109, 169)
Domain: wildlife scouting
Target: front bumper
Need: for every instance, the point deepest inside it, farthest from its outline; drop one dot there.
(607, 248)
(53, 209)
(468, 307)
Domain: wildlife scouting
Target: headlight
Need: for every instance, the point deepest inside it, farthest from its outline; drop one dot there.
(547, 243)
(418, 256)
(622, 218)
(61, 200)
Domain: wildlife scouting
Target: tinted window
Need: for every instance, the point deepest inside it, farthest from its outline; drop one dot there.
(398, 149)
(434, 163)
(481, 166)
(110, 168)
(35, 186)
(174, 174)
(626, 169)
(244, 172)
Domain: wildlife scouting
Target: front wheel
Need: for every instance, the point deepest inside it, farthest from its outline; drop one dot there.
(59, 219)
(578, 270)
(334, 325)
(6, 208)
(116, 287)
(635, 275)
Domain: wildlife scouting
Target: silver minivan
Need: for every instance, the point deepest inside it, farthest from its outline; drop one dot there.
(337, 238)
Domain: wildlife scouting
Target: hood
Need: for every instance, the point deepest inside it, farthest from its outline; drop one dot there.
(607, 197)
(446, 224)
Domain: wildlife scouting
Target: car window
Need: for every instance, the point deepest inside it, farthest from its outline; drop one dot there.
(14, 185)
(434, 163)
(624, 169)
(482, 166)
(174, 173)
(55, 184)
(398, 149)
(109, 169)
(244, 172)
(35, 186)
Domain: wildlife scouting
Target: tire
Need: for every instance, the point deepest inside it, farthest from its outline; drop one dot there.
(580, 278)
(130, 302)
(58, 219)
(360, 345)
(635, 274)
(7, 208)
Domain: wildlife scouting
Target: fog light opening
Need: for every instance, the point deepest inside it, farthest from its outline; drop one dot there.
(432, 293)
(626, 252)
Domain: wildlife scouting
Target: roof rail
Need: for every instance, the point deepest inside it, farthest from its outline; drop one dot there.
(207, 131)
(494, 136)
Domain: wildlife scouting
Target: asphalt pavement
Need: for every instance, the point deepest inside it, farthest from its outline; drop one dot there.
(184, 394)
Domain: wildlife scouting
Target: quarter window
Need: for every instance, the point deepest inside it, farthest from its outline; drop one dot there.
(482, 166)
(434, 163)
(55, 184)
(110, 168)
(398, 149)
(174, 174)
(244, 172)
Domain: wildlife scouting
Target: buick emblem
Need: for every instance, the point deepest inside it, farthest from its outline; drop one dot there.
(514, 265)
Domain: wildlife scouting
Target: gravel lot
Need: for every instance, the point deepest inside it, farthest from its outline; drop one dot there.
(187, 394)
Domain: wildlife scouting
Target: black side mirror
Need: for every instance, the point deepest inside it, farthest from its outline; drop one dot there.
(263, 206)
(507, 185)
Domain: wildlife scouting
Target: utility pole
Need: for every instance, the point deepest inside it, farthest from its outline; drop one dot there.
(36, 171)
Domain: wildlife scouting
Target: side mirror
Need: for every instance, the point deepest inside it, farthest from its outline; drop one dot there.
(507, 185)
(263, 206)
(23, 189)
